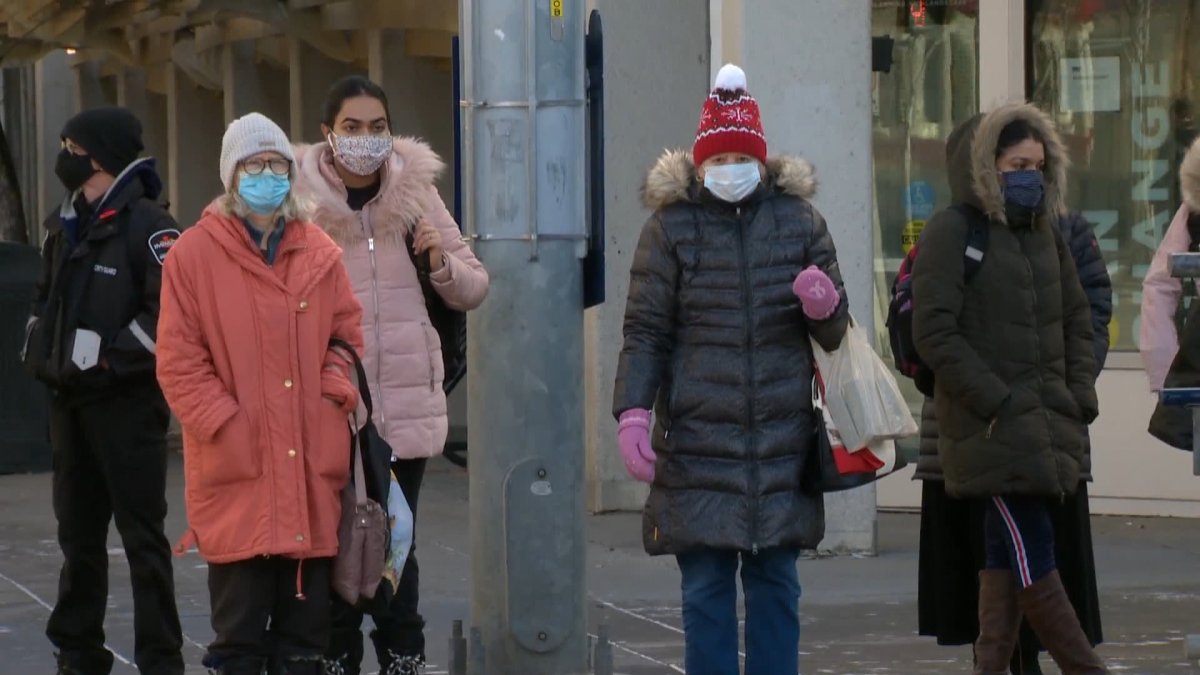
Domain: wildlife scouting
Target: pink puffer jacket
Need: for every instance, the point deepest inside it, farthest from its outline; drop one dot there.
(1161, 292)
(403, 355)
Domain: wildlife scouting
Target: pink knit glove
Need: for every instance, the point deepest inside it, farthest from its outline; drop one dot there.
(633, 436)
(818, 296)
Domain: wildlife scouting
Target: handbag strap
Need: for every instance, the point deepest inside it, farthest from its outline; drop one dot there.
(360, 479)
(364, 390)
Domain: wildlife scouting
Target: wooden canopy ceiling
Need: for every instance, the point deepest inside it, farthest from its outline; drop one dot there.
(154, 33)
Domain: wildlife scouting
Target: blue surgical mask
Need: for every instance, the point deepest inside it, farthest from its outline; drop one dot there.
(1024, 188)
(263, 193)
(732, 182)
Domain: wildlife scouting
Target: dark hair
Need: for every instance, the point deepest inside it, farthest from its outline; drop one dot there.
(350, 87)
(1014, 132)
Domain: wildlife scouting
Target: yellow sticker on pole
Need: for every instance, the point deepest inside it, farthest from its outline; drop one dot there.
(556, 8)
(910, 235)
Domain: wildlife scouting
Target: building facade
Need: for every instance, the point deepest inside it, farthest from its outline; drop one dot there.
(1119, 77)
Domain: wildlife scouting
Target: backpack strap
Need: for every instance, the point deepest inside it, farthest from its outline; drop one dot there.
(978, 235)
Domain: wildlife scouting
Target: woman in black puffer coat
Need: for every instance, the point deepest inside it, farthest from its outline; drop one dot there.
(733, 274)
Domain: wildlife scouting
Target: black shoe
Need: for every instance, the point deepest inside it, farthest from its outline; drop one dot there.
(65, 666)
(304, 666)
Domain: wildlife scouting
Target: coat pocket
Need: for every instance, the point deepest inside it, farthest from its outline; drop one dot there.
(433, 353)
(234, 454)
(330, 454)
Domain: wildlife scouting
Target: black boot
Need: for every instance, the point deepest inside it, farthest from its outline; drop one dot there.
(243, 665)
(391, 663)
(345, 653)
(66, 665)
(313, 665)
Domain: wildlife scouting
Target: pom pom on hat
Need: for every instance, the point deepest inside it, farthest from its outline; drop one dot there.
(730, 120)
(730, 78)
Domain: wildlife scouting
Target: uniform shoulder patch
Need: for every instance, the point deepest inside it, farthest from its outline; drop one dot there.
(161, 242)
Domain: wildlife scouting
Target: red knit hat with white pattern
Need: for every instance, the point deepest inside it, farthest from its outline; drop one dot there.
(729, 121)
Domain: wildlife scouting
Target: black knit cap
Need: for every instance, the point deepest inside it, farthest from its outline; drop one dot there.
(112, 136)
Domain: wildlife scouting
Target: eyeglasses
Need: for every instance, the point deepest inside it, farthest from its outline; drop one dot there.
(279, 167)
(72, 148)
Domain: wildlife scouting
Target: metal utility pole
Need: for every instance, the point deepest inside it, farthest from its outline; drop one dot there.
(524, 198)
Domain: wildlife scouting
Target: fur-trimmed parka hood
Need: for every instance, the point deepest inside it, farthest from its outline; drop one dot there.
(673, 178)
(1189, 177)
(971, 160)
(407, 185)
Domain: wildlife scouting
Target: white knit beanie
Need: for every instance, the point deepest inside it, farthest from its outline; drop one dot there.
(247, 136)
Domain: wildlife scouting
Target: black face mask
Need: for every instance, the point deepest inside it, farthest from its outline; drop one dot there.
(73, 170)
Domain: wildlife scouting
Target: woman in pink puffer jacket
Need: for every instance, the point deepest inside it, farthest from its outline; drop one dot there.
(1161, 293)
(374, 194)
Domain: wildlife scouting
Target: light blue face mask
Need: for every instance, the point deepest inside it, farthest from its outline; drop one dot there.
(732, 182)
(263, 193)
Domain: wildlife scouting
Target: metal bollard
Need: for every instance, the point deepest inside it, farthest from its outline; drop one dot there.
(458, 649)
(478, 664)
(602, 658)
(1191, 647)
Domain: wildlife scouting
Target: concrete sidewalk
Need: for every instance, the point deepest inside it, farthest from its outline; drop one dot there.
(859, 614)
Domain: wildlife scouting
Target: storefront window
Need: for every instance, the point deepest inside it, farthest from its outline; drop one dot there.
(930, 89)
(1120, 78)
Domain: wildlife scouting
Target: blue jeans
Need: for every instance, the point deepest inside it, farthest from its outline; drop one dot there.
(710, 621)
(1019, 536)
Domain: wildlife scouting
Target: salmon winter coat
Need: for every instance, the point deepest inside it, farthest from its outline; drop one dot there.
(245, 363)
(403, 353)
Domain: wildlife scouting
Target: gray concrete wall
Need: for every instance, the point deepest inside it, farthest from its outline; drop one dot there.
(92, 89)
(656, 77)
(195, 125)
(311, 74)
(808, 64)
(151, 109)
(253, 85)
(54, 104)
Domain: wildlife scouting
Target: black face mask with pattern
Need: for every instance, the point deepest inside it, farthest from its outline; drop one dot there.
(73, 170)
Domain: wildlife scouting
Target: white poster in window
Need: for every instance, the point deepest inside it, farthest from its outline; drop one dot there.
(1090, 84)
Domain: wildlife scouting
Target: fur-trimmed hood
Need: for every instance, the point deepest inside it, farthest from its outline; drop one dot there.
(980, 165)
(672, 178)
(1189, 177)
(406, 185)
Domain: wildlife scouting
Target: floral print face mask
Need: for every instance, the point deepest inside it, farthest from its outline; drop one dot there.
(361, 155)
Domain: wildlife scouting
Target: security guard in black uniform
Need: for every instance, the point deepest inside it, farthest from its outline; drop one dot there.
(91, 340)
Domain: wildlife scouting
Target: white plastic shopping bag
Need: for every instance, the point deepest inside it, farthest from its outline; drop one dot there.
(862, 397)
(400, 525)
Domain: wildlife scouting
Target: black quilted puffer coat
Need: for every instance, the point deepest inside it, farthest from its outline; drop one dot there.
(717, 345)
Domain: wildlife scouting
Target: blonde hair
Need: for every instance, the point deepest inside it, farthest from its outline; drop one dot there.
(293, 207)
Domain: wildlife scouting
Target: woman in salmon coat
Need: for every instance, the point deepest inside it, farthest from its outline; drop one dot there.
(251, 296)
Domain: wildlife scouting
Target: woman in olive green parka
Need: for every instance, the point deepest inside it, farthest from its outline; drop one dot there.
(1012, 356)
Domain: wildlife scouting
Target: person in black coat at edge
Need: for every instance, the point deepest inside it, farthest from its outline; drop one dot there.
(951, 548)
(91, 340)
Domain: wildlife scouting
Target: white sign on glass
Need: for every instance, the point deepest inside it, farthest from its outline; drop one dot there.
(1090, 84)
